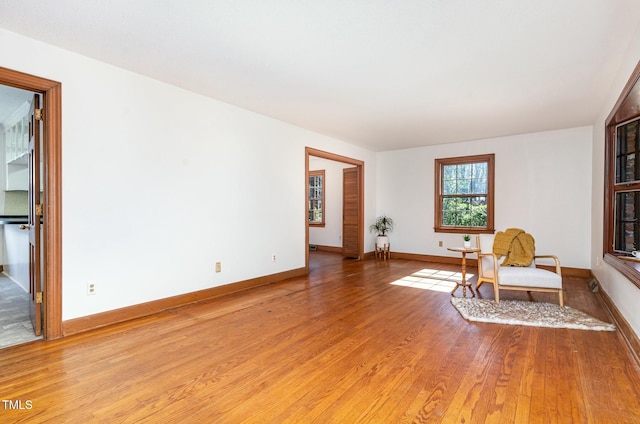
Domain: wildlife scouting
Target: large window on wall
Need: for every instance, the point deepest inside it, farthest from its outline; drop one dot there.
(622, 182)
(464, 194)
(626, 188)
(316, 198)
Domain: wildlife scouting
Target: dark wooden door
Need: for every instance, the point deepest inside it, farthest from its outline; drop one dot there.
(351, 212)
(35, 213)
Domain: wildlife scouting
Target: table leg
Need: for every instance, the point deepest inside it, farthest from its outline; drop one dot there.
(464, 277)
(463, 283)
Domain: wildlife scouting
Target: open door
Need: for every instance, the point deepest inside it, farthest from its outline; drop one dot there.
(351, 212)
(353, 204)
(50, 132)
(35, 213)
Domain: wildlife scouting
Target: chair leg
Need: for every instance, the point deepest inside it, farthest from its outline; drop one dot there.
(496, 292)
(561, 298)
(481, 281)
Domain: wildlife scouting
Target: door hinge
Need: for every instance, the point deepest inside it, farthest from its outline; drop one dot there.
(38, 297)
(37, 114)
(39, 209)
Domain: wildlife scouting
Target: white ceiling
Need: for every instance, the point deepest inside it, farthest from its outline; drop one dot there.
(382, 74)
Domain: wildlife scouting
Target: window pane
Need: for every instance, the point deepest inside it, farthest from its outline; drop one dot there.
(316, 197)
(450, 187)
(464, 170)
(464, 211)
(456, 203)
(627, 208)
(627, 146)
(315, 211)
(480, 170)
(456, 211)
(448, 218)
(449, 172)
(464, 186)
(479, 186)
(479, 211)
(448, 203)
(465, 179)
(451, 206)
(461, 219)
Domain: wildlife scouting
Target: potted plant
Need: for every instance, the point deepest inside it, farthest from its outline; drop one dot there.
(467, 241)
(383, 225)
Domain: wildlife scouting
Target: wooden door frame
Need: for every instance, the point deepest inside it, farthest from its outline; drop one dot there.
(52, 180)
(309, 151)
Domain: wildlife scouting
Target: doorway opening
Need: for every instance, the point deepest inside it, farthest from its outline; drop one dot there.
(47, 298)
(15, 276)
(352, 225)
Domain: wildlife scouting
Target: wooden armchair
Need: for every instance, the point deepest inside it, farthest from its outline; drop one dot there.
(528, 278)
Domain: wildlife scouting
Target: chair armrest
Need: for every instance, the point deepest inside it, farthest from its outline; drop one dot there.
(493, 255)
(555, 259)
(494, 261)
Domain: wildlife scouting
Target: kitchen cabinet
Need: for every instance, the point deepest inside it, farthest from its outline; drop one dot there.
(16, 135)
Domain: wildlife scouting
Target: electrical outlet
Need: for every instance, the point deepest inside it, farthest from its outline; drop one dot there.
(91, 288)
(273, 257)
(218, 266)
(440, 243)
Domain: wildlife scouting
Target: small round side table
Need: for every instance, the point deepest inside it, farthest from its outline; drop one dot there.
(463, 283)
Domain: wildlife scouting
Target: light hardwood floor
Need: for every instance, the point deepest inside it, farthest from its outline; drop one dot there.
(15, 323)
(342, 345)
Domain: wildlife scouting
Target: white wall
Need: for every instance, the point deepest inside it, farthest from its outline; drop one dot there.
(542, 186)
(159, 183)
(15, 246)
(624, 294)
(331, 233)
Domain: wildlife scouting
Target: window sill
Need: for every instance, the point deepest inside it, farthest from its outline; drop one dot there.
(464, 230)
(628, 267)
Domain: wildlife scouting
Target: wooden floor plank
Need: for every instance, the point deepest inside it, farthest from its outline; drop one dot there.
(354, 341)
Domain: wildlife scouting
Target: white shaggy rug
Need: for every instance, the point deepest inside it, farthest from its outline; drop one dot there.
(518, 312)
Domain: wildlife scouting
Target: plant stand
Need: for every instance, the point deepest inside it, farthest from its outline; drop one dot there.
(383, 252)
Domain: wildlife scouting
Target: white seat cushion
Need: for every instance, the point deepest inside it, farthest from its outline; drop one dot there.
(529, 277)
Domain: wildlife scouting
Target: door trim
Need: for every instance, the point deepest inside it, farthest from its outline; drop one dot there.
(309, 151)
(52, 180)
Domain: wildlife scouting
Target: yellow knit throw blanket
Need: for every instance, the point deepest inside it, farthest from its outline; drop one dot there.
(516, 245)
